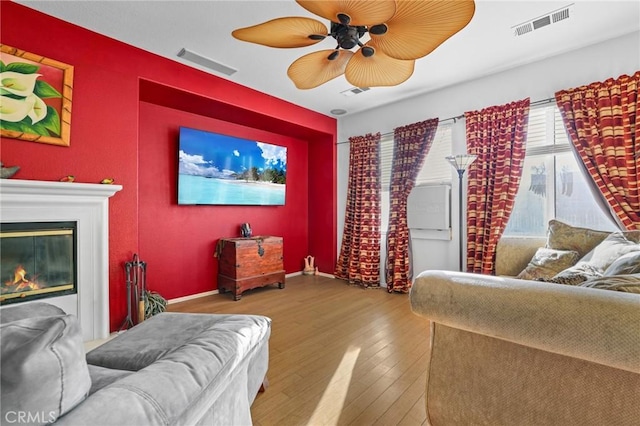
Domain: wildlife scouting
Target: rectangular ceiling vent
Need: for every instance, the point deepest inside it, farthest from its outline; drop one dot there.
(523, 29)
(560, 15)
(542, 21)
(206, 62)
(354, 91)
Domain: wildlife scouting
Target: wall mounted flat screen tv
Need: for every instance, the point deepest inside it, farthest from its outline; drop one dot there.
(224, 170)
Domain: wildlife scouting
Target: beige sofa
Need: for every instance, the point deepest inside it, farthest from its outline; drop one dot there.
(508, 351)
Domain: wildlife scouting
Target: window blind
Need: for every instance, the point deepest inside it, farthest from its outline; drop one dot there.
(435, 168)
(546, 133)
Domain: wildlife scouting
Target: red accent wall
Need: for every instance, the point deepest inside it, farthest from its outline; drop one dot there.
(127, 107)
(184, 237)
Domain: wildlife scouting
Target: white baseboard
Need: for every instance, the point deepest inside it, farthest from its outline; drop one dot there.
(212, 292)
(191, 297)
(322, 274)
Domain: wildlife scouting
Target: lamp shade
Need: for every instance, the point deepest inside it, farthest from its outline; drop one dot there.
(461, 162)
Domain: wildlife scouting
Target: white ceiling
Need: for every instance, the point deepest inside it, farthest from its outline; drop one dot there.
(487, 45)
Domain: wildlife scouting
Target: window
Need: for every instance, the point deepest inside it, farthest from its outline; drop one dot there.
(435, 168)
(552, 185)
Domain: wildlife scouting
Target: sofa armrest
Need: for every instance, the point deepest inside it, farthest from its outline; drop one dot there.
(600, 326)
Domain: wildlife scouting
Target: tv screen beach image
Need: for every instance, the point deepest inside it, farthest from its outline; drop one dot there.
(221, 169)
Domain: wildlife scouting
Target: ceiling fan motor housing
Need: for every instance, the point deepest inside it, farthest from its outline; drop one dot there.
(347, 36)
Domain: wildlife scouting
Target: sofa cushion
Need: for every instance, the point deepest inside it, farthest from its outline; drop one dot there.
(595, 263)
(626, 264)
(566, 237)
(514, 253)
(155, 338)
(548, 262)
(150, 340)
(102, 377)
(43, 368)
(28, 310)
(616, 245)
(629, 283)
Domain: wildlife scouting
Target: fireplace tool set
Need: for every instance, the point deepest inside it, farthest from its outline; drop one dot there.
(136, 276)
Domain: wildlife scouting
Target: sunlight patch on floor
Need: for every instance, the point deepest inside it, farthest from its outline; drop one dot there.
(328, 410)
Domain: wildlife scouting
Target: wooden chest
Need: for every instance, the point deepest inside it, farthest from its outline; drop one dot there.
(246, 263)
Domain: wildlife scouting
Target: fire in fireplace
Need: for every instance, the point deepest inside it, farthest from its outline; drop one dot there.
(37, 260)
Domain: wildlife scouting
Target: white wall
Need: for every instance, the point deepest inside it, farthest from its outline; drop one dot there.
(537, 80)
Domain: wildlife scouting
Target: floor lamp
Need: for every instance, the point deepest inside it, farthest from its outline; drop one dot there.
(460, 162)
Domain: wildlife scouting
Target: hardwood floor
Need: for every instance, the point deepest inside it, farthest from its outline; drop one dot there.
(339, 354)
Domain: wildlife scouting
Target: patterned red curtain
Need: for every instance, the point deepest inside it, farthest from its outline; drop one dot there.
(359, 260)
(603, 124)
(411, 145)
(497, 136)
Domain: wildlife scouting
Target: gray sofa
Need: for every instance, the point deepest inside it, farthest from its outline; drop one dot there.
(507, 351)
(172, 369)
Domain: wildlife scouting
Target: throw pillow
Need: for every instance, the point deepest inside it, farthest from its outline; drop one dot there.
(548, 262)
(608, 251)
(627, 264)
(595, 263)
(44, 371)
(576, 274)
(566, 237)
(627, 283)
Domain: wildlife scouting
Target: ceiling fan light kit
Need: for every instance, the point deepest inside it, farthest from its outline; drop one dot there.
(399, 33)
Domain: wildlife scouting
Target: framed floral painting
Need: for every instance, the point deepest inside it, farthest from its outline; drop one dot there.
(35, 97)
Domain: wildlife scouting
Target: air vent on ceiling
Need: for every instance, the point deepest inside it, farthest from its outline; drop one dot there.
(523, 29)
(206, 62)
(542, 21)
(354, 91)
(560, 15)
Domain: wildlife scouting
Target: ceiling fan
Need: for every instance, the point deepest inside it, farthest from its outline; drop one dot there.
(399, 32)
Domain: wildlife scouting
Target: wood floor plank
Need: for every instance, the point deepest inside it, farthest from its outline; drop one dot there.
(417, 414)
(414, 394)
(391, 396)
(339, 354)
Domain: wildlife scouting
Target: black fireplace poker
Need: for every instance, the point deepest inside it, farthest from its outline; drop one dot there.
(136, 278)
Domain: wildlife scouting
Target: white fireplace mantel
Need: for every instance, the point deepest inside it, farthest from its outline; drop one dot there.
(88, 205)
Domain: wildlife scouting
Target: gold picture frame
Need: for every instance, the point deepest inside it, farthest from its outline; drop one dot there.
(35, 97)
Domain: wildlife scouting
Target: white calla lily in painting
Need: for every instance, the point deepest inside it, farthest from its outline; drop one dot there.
(35, 97)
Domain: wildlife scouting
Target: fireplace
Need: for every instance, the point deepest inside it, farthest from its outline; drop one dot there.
(37, 260)
(83, 207)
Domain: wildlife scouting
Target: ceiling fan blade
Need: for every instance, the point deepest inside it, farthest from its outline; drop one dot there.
(360, 12)
(314, 69)
(283, 32)
(419, 27)
(378, 69)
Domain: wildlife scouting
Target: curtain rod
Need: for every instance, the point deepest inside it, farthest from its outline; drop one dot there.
(457, 117)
